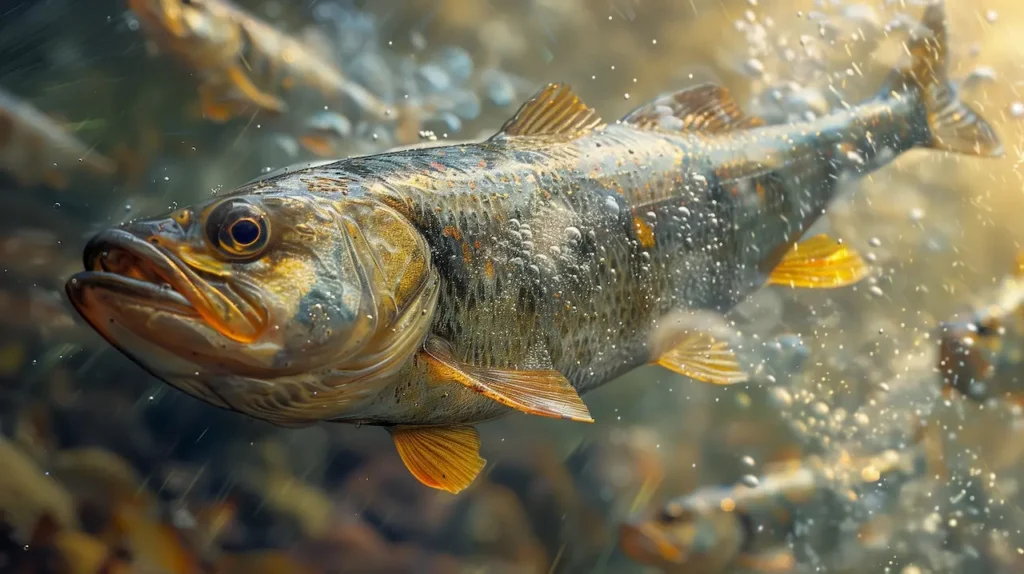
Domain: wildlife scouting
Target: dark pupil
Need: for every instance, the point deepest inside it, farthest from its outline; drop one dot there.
(245, 232)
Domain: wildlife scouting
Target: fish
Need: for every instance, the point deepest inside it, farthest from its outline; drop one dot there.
(245, 64)
(719, 528)
(37, 149)
(981, 351)
(432, 289)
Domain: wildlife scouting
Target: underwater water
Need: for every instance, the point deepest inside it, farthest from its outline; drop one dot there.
(847, 448)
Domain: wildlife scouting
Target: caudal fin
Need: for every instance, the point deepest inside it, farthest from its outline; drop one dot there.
(954, 125)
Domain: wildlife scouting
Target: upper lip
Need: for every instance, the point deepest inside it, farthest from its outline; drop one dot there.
(121, 261)
(124, 263)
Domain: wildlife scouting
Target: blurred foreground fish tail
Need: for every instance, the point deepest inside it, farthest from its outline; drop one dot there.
(954, 125)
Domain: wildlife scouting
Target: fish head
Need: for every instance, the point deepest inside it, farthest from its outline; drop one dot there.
(969, 349)
(286, 306)
(193, 24)
(684, 537)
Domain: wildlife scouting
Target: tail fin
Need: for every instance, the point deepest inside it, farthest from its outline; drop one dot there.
(953, 124)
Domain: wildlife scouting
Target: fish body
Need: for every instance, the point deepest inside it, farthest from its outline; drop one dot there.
(36, 149)
(430, 289)
(244, 64)
(982, 351)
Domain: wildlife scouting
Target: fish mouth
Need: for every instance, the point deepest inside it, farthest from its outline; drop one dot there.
(121, 264)
(123, 269)
(962, 360)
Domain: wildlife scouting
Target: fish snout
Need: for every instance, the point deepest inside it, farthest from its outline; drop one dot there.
(962, 361)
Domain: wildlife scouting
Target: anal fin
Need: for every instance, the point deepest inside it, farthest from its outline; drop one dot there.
(445, 458)
(542, 392)
(704, 108)
(704, 358)
(819, 263)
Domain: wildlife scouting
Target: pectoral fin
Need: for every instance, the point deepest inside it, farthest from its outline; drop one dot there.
(543, 392)
(318, 145)
(213, 107)
(780, 560)
(819, 263)
(244, 85)
(701, 357)
(445, 458)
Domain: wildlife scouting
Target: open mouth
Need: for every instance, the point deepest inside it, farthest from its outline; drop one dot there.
(962, 362)
(120, 263)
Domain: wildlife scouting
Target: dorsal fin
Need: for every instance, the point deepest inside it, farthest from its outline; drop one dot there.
(703, 108)
(554, 110)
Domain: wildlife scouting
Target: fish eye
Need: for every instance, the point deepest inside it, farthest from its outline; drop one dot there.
(245, 232)
(238, 229)
(987, 328)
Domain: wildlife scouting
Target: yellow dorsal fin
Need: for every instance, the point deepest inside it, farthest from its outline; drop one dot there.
(445, 458)
(542, 392)
(703, 108)
(702, 357)
(555, 110)
(819, 263)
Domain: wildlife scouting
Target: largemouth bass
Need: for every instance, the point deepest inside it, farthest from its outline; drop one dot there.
(428, 290)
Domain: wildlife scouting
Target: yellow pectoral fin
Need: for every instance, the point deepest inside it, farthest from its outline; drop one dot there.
(445, 458)
(819, 262)
(545, 393)
(701, 357)
(254, 94)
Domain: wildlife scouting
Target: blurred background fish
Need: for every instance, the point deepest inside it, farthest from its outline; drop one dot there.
(37, 149)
